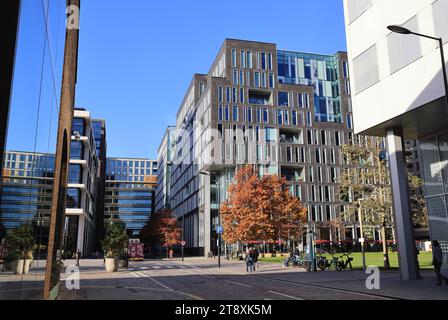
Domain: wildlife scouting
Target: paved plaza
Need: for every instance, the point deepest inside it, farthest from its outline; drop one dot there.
(200, 279)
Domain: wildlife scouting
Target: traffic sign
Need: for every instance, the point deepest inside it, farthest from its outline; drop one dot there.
(182, 243)
(219, 229)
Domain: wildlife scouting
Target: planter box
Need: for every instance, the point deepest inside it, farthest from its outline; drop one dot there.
(112, 264)
(21, 266)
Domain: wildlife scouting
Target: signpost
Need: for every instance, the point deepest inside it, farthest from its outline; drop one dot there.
(183, 244)
(219, 230)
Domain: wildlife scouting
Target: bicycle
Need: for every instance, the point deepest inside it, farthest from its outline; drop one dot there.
(323, 263)
(342, 265)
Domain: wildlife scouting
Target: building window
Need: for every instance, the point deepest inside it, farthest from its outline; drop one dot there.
(270, 61)
(286, 117)
(228, 93)
(294, 117)
(241, 95)
(283, 99)
(257, 79)
(249, 59)
(271, 135)
(227, 113)
(233, 58)
(234, 95)
(263, 61)
(271, 80)
(249, 114)
(337, 138)
(241, 77)
(345, 69)
(77, 150)
(220, 93)
(349, 122)
(242, 59)
(365, 69)
(265, 115)
(309, 119)
(73, 198)
(258, 115)
(75, 174)
(263, 80)
(235, 77)
(78, 125)
(220, 112)
(280, 116)
(248, 78)
(235, 113)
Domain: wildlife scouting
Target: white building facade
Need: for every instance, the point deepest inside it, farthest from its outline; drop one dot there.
(398, 91)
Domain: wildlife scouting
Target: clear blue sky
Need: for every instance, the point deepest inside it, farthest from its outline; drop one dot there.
(137, 57)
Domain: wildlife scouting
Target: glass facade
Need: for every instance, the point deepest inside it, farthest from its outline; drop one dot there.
(434, 157)
(319, 71)
(130, 191)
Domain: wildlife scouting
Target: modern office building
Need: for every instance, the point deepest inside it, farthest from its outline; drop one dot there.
(82, 186)
(285, 112)
(99, 132)
(130, 190)
(398, 92)
(26, 190)
(164, 156)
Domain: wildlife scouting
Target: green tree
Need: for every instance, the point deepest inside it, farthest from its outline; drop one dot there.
(21, 240)
(365, 183)
(115, 241)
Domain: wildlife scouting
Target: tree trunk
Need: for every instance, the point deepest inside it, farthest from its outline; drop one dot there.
(385, 251)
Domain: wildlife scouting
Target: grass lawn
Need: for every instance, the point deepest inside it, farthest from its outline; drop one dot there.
(372, 258)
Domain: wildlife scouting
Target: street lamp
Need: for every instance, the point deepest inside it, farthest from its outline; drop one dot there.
(402, 30)
(219, 219)
(361, 234)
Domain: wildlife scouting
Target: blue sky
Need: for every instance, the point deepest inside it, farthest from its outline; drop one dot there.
(136, 59)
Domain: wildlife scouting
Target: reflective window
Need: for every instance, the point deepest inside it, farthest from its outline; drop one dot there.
(283, 98)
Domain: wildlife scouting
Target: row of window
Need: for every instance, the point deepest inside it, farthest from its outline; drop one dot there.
(260, 80)
(280, 116)
(263, 60)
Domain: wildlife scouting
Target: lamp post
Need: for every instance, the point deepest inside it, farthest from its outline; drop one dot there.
(219, 220)
(402, 30)
(362, 234)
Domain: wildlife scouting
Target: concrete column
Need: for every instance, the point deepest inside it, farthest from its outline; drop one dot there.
(206, 223)
(407, 257)
(81, 231)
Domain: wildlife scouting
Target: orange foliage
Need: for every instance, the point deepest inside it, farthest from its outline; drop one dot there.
(260, 209)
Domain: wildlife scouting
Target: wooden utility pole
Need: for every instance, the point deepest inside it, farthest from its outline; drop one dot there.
(52, 271)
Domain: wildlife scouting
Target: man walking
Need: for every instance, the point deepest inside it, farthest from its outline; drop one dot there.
(78, 257)
(437, 260)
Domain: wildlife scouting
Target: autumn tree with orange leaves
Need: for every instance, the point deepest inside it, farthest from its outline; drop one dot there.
(260, 209)
(161, 230)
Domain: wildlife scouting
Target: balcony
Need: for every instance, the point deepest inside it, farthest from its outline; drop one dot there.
(262, 98)
(294, 175)
(293, 137)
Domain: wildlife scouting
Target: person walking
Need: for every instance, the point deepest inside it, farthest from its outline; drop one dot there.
(255, 256)
(78, 257)
(437, 260)
(171, 253)
(249, 261)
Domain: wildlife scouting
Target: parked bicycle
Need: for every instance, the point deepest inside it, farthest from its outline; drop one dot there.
(342, 265)
(323, 263)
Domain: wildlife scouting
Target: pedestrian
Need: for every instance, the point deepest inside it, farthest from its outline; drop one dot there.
(171, 253)
(78, 257)
(419, 277)
(255, 254)
(249, 261)
(437, 259)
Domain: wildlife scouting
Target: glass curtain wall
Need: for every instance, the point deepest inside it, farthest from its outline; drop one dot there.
(32, 129)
